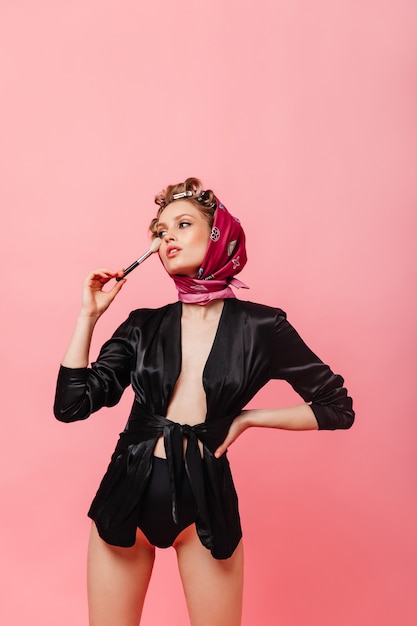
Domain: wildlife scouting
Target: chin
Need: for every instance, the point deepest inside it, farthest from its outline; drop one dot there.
(179, 271)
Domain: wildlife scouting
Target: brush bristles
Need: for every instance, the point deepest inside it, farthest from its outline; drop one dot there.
(155, 245)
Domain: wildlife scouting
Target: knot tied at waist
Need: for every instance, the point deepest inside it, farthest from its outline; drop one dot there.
(146, 427)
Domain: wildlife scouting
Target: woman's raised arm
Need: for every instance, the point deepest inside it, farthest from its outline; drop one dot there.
(95, 301)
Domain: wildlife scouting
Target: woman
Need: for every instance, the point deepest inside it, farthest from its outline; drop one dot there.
(193, 366)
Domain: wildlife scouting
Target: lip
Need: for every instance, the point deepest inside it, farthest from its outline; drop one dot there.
(172, 251)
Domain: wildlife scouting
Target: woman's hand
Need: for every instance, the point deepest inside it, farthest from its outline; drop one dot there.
(299, 417)
(95, 300)
(237, 427)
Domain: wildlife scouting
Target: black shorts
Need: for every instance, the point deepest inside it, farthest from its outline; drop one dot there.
(155, 517)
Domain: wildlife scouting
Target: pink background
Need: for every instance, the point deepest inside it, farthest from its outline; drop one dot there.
(302, 117)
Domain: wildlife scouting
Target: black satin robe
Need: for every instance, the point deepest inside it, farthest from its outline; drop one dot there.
(253, 344)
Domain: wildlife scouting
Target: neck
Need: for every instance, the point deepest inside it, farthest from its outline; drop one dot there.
(196, 311)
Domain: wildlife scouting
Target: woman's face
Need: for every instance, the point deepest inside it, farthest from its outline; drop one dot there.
(185, 235)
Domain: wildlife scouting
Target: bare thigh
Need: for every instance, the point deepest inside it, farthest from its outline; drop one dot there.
(117, 580)
(213, 588)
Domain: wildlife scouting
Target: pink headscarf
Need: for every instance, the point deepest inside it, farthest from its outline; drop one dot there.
(225, 257)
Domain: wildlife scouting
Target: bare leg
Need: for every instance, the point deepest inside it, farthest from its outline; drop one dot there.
(117, 580)
(213, 588)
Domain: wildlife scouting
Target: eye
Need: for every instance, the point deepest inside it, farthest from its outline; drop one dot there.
(161, 234)
(183, 224)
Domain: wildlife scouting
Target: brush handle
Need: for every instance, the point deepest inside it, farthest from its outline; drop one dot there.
(135, 264)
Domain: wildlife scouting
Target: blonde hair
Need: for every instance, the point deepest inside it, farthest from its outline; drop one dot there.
(203, 200)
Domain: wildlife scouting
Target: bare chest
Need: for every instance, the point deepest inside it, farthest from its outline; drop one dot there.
(188, 402)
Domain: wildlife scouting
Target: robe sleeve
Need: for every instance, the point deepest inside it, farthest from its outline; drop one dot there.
(312, 379)
(81, 391)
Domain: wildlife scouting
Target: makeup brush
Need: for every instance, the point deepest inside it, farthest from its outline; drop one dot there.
(154, 247)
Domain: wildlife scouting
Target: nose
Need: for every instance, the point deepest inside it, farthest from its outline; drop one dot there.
(169, 235)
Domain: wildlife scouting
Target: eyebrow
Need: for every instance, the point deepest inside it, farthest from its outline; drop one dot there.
(177, 217)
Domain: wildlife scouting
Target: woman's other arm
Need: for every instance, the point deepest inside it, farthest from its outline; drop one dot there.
(327, 404)
(299, 417)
